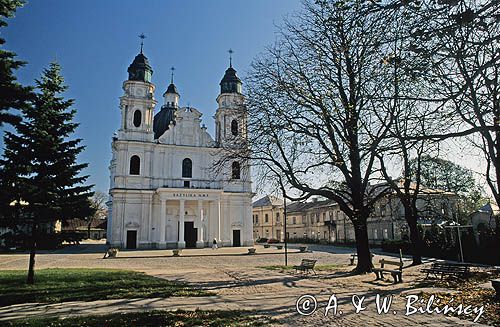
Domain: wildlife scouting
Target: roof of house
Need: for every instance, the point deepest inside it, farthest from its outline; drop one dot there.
(268, 200)
(74, 224)
(304, 206)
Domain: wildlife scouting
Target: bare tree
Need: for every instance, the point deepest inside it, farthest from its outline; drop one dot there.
(411, 118)
(98, 204)
(460, 40)
(311, 115)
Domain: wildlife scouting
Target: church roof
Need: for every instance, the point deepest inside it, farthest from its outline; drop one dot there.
(138, 67)
(171, 89)
(162, 120)
(230, 83)
(230, 76)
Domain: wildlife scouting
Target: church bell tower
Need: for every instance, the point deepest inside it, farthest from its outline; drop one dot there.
(137, 103)
(231, 115)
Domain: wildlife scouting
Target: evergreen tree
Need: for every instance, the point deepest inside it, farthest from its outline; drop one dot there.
(39, 172)
(13, 94)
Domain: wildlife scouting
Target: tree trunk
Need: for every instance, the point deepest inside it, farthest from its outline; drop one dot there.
(31, 269)
(415, 237)
(363, 249)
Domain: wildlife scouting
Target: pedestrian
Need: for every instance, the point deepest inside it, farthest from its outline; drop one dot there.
(214, 244)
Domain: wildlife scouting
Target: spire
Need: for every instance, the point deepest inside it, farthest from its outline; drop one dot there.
(172, 88)
(142, 37)
(230, 58)
(230, 83)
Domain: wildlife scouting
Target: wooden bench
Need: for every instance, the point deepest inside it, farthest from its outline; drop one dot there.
(397, 273)
(306, 265)
(354, 256)
(447, 269)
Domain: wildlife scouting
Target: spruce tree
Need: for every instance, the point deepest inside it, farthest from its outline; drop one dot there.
(39, 171)
(12, 94)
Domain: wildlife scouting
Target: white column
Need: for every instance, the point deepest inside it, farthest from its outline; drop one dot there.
(162, 244)
(218, 220)
(150, 220)
(200, 243)
(181, 243)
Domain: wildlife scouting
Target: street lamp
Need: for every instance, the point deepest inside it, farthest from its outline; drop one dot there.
(284, 227)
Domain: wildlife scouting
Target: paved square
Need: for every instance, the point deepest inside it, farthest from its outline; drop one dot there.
(239, 284)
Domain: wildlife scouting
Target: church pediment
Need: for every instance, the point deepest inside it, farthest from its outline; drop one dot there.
(187, 130)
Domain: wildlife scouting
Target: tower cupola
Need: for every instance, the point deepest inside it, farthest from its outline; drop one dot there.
(230, 83)
(140, 70)
(171, 95)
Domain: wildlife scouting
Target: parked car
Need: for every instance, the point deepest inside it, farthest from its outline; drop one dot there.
(272, 240)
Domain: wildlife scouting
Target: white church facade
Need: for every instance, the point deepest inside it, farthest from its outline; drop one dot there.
(170, 184)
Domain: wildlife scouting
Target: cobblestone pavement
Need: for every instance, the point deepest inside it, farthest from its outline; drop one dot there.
(239, 284)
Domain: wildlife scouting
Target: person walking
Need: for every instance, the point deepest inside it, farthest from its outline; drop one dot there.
(214, 244)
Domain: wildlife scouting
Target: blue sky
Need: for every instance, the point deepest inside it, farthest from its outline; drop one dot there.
(95, 41)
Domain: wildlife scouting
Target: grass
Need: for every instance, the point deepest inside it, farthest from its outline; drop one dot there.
(153, 318)
(61, 285)
(281, 268)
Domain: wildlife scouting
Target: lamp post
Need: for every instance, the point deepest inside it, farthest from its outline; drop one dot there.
(284, 228)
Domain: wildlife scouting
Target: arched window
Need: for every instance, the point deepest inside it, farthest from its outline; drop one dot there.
(187, 168)
(235, 170)
(234, 127)
(135, 165)
(137, 118)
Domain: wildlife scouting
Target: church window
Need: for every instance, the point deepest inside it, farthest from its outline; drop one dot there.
(187, 168)
(135, 165)
(236, 170)
(234, 127)
(137, 118)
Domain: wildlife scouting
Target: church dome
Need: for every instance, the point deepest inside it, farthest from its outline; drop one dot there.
(230, 83)
(171, 89)
(140, 70)
(162, 120)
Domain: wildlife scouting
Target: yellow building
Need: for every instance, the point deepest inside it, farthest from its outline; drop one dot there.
(322, 220)
(267, 214)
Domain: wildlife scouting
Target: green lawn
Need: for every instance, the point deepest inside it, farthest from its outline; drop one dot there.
(60, 285)
(154, 318)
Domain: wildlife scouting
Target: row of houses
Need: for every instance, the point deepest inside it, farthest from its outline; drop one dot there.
(322, 220)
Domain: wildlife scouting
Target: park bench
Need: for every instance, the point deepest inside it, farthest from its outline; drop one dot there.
(305, 266)
(447, 270)
(354, 256)
(396, 272)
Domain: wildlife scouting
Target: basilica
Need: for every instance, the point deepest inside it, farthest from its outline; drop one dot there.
(171, 184)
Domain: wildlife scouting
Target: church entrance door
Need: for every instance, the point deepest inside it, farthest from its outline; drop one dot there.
(190, 234)
(236, 237)
(131, 239)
